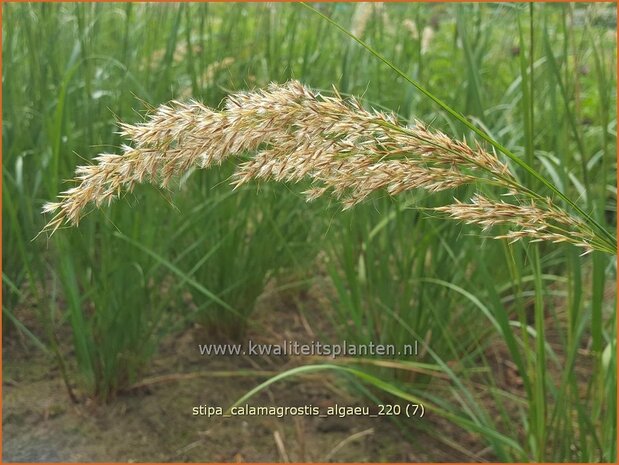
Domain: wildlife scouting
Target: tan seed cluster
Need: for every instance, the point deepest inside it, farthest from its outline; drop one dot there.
(288, 133)
(532, 222)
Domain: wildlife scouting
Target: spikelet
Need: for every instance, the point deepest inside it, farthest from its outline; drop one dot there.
(532, 221)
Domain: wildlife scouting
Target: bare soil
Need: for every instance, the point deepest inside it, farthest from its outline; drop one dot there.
(154, 422)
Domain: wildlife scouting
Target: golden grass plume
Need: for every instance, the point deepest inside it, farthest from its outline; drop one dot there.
(288, 133)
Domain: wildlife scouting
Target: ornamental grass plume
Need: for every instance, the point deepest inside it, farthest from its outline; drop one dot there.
(289, 133)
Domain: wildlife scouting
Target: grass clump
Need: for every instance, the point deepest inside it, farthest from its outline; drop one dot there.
(233, 248)
(539, 78)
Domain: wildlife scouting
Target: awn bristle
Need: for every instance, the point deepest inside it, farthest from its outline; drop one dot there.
(291, 133)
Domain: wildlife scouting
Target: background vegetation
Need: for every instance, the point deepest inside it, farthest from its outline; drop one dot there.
(539, 78)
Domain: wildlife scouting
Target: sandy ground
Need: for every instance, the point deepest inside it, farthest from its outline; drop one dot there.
(155, 422)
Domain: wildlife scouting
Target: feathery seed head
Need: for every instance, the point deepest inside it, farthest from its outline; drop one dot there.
(291, 133)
